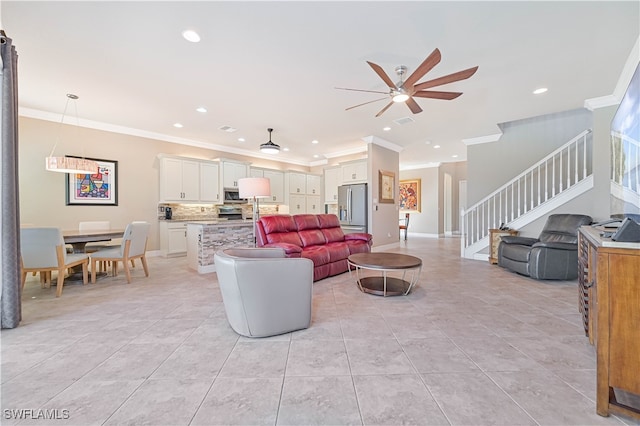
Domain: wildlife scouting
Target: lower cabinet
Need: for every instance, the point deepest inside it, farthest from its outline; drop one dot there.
(173, 239)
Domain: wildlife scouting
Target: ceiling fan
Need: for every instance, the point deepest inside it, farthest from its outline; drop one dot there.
(405, 91)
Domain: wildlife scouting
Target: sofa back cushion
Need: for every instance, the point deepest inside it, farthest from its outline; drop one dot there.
(563, 228)
(280, 229)
(330, 227)
(306, 221)
(311, 237)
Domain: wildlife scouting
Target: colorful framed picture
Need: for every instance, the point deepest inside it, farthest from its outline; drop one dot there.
(99, 189)
(410, 195)
(387, 187)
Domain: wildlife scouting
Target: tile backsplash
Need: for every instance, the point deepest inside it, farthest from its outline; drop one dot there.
(209, 211)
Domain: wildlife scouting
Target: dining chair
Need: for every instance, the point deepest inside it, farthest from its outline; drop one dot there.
(134, 246)
(43, 250)
(404, 225)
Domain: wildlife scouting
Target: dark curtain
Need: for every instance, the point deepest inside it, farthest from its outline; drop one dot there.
(10, 296)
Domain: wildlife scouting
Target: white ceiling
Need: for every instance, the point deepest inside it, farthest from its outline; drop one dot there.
(276, 64)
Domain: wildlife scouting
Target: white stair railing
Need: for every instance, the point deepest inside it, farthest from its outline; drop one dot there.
(562, 169)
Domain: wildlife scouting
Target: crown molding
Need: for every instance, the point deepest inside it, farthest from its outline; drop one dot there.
(346, 152)
(383, 143)
(623, 82)
(49, 116)
(482, 139)
(420, 166)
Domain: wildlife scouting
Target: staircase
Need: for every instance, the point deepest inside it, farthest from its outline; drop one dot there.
(556, 179)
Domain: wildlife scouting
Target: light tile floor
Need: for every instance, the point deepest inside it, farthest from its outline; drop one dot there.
(472, 345)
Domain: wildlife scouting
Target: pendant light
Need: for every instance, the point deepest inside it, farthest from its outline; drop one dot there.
(69, 164)
(270, 147)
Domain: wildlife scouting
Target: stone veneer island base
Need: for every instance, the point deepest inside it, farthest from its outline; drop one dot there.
(205, 238)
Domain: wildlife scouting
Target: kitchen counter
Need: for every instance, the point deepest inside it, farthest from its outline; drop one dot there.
(204, 238)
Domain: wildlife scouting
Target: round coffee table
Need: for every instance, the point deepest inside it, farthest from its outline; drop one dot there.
(385, 262)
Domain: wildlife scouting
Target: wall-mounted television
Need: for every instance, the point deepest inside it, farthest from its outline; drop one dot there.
(625, 152)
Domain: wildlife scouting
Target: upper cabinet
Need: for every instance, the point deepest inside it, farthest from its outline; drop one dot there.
(179, 179)
(297, 183)
(332, 180)
(314, 184)
(276, 179)
(354, 172)
(232, 171)
(210, 182)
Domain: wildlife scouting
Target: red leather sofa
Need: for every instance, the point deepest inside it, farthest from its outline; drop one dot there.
(314, 236)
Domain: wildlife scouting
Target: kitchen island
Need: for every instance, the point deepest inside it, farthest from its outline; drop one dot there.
(204, 238)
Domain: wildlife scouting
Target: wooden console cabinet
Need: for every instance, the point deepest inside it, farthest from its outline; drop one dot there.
(609, 298)
(495, 235)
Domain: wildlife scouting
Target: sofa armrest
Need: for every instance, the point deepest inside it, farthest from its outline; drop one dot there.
(289, 249)
(556, 245)
(359, 236)
(525, 241)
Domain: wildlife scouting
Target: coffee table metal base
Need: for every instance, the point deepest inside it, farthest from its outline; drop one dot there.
(376, 285)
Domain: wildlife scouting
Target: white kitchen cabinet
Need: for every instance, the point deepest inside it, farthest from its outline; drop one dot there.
(297, 183)
(210, 182)
(313, 204)
(332, 180)
(313, 184)
(255, 173)
(179, 179)
(173, 238)
(276, 179)
(233, 171)
(354, 172)
(297, 204)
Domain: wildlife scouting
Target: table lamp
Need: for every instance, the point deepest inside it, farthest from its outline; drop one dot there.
(254, 188)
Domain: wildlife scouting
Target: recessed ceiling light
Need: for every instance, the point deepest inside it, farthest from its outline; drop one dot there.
(455, 155)
(427, 142)
(540, 90)
(285, 149)
(201, 109)
(241, 139)
(178, 125)
(191, 36)
(436, 146)
(386, 129)
(315, 156)
(315, 141)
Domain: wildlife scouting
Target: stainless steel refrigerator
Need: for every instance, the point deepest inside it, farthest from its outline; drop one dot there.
(352, 207)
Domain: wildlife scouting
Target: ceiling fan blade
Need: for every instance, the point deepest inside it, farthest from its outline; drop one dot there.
(370, 102)
(426, 66)
(433, 94)
(413, 106)
(384, 109)
(360, 90)
(456, 76)
(383, 75)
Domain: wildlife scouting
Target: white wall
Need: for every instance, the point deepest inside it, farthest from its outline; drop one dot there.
(383, 217)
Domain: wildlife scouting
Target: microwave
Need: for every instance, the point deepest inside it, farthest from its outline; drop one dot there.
(232, 196)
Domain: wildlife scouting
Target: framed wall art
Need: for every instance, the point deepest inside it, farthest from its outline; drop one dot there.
(99, 189)
(387, 187)
(409, 195)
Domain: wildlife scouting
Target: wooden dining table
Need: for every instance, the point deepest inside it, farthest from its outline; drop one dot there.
(79, 239)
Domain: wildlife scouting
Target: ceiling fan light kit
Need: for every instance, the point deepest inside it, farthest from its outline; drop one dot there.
(270, 147)
(405, 91)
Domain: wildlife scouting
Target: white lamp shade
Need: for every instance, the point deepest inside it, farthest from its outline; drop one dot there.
(254, 187)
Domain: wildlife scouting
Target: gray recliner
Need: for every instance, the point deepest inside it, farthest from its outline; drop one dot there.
(265, 293)
(551, 256)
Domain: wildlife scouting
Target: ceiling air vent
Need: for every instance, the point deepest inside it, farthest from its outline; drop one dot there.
(227, 129)
(403, 120)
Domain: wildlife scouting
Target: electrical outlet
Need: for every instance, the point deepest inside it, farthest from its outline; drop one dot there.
(202, 209)
(161, 209)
